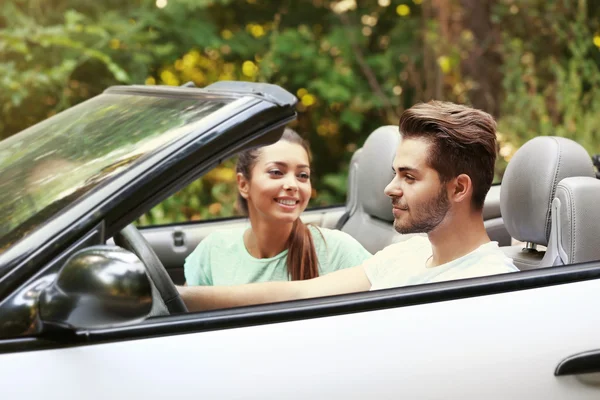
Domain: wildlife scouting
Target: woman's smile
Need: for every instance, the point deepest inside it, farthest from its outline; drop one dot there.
(288, 203)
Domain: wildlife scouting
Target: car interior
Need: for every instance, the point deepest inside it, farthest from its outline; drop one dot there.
(541, 215)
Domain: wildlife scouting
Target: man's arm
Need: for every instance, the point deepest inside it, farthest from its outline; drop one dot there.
(349, 280)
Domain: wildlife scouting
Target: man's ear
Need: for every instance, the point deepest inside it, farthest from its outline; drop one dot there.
(461, 188)
(243, 185)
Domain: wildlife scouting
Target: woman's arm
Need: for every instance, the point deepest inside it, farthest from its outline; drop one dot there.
(199, 298)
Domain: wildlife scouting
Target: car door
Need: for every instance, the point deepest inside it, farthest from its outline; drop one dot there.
(502, 337)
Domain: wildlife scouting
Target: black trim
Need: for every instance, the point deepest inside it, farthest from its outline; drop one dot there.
(596, 162)
(320, 307)
(582, 363)
(18, 312)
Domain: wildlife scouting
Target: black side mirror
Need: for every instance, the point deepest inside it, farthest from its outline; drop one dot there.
(98, 287)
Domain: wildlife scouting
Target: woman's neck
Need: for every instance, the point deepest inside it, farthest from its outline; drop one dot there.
(267, 239)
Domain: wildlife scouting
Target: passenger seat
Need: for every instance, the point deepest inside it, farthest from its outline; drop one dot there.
(575, 232)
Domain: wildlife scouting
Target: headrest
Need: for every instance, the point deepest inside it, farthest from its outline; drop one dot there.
(530, 181)
(575, 221)
(352, 196)
(375, 171)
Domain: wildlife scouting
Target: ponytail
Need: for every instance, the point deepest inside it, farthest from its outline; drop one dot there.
(302, 262)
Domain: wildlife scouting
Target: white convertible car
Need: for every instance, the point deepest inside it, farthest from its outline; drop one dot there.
(83, 318)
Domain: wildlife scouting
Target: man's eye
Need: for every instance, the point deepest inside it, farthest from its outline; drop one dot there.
(410, 178)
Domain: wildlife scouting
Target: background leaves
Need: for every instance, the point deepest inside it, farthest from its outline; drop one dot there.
(354, 65)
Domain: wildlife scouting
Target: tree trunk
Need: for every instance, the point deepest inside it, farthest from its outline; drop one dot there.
(482, 66)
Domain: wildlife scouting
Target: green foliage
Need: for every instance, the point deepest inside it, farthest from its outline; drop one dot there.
(553, 91)
(53, 58)
(354, 65)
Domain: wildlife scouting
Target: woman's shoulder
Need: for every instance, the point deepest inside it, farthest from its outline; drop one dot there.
(329, 233)
(333, 237)
(337, 250)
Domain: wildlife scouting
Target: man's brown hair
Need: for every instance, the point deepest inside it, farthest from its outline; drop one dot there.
(463, 141)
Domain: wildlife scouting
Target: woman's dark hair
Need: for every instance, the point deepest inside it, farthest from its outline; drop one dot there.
(302, 262)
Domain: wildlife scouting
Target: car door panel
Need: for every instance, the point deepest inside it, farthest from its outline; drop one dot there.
(501, 346)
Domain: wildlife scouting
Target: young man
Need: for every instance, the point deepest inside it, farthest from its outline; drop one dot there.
(444, 167)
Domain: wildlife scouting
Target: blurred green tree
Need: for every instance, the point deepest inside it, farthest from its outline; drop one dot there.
(354, 66)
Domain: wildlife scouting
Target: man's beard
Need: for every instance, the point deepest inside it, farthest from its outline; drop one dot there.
(426, 217)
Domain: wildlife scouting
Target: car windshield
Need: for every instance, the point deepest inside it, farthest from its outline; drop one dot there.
(56, 162)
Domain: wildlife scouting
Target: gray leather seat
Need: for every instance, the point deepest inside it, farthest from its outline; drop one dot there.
(574, 236)
(528, 188)
(370, 219)
(352, 194)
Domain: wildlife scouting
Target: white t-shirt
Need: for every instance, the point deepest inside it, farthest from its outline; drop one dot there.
(404, 264)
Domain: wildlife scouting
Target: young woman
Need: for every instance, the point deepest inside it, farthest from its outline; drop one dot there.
(274, 189)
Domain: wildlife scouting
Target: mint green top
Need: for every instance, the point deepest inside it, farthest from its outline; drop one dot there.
(222, 258)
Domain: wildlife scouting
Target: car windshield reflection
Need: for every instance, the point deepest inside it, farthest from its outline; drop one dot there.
(54, 163)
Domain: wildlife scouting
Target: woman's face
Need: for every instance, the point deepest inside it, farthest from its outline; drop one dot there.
(279, 187)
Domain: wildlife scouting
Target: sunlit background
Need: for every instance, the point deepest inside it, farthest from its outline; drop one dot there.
(354, 66)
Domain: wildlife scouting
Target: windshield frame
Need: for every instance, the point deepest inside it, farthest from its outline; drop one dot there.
(251, 118)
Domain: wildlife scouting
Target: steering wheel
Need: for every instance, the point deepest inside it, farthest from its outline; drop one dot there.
(131, 239)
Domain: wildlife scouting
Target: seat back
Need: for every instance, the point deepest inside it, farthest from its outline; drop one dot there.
(352, 191)
(575, 232)
(528, 188)
(370, 219)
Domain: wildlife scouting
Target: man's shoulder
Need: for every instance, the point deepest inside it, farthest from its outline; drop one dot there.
(495, 262)
(397, 263)
(411, 242)
(491, 261)
(494, 258)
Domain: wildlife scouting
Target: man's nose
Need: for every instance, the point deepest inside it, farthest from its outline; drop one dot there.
(393, 189)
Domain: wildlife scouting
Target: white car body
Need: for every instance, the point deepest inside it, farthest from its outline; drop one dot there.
(502, 346)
